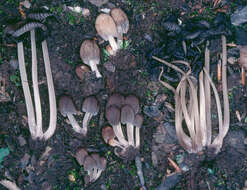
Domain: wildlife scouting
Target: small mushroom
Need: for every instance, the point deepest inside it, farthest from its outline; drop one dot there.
(127, 117)
(90, 55)
(91, 108)
(67, 108)
(81, 71)
(89, 166)
(116, 100)
(107, 29)
(100, 165)
(122, 22)
(138, 124)
(81, 155)
(133, 102)
(243, 62)
(109, 135)
(113, 117)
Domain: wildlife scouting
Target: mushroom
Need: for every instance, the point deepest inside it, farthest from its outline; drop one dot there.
(133, 102)
(67, 108)
(89, 166)
(122, 22)
(243, 62)
(138, 124)
(90, 55)
(81, 155)
(107, 29)
(91, 108)
(115, 99)
(127, 117)
(113, 117)
(81, 71)
(109, 135)
(100, 165)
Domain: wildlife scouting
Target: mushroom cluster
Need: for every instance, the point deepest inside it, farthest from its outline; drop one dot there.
(67, 108)
(93, 164)
(123, 114)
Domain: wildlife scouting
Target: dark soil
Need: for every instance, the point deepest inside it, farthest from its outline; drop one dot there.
(29, 166)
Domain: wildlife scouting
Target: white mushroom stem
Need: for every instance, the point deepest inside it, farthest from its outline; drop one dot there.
(39, 132)
(26, 90)
(93, 65)
(52, 99)
(113, 43)
(85, 122)
(137, 137)
(130, 134)
(139, 172)
(74, 123)
(9, 185)
(115, 143)
(99, 171)
(119, 134)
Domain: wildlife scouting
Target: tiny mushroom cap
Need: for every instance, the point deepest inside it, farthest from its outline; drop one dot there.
(138, 120)
(100, 161)
(66, 106)
(115, 99)
(90, 105)
(81, 155)
(133, 102)
(127, 114)
(113, 115)
(121, 20)
(81, 70)
(107, 29)
(108, 134)
(89, 163)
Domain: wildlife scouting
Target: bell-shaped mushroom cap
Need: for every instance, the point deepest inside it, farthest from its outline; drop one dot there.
(115, 99)
(90, 105)
(100, 161)
(133, 102)
(106, 26)
(108, 134)
(66, 106)
(113, 115)
(89, 51)
(81, 155)
(89, 163)
(138, 120)
(121, 20)
(127, 114)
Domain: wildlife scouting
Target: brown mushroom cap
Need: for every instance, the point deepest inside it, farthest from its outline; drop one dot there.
(100, 161)
(115, 99)
(133, 102)
(121, 20)
(138, 120)
(127, 114)
(66, 106)
(81, 70)
(89, 51)
(90, 105)
(113, 115)
(81, 155)
(106, 26)
(108, 134)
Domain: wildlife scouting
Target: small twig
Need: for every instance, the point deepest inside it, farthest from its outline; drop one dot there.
(174, 165)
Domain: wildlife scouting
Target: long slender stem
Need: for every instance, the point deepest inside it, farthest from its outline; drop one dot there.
(137, 137)
(113, 43)
(39, 132)
(52, 99)
(85, 122)
(130, 134)
(119, 134)
(74, 123)
(26, 90)
(93, 65)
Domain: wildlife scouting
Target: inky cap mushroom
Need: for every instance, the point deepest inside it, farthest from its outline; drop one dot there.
(133, 102)
(109, 135)
(81, 155)
(115, 99)
(138, 123)
(67, 108)
(90, 55)
(91, 108)
(107, 29)
(81, 71)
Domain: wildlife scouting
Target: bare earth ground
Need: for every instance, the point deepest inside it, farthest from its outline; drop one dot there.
(29, 166)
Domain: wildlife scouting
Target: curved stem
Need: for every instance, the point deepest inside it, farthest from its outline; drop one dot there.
(139, 172)
(119, 134)
(52, 99)
(93, 65)
(130, 134)
(85, 123)
(9, 185)
(39, 132)
(113, 43)
(26, 90)
(74, 123)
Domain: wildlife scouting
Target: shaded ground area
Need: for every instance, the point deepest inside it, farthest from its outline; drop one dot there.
(50, 165)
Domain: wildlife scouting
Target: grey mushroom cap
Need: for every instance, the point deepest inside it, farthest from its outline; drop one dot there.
(66, 106)
(100, 161)
(89, 51)
(113, 115)
(89, 163)
(106, 26)
(90, 105)
(115, 99)
(81, 155)
(133, 102)
(127, 114)
(138, 120)
(121, 20)
(108, 134)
